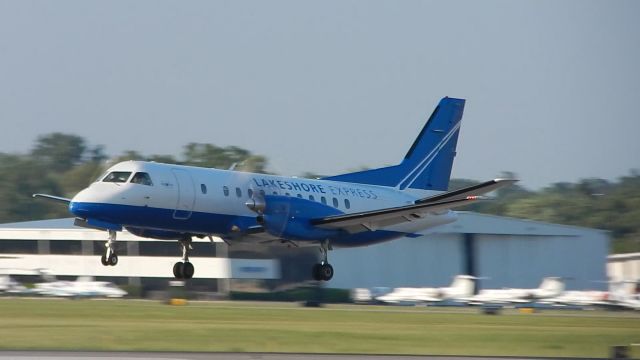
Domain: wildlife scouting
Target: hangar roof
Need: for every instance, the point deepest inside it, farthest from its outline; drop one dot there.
(476, 223)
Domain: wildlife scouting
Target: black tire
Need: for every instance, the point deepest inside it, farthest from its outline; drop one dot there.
(113, 260)
(188, 270)
(178, 270)
(103, 260)
(315, 272)
(326, 272)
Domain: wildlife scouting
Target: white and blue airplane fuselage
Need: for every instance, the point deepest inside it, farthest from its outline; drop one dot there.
(175, 202)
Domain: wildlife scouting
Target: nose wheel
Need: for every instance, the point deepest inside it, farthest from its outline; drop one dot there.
(184, 270)
(109, 258)
(323, 271)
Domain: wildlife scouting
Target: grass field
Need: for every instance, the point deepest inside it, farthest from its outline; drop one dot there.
(267, 327)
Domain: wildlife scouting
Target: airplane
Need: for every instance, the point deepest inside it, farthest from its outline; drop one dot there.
(461, 287)
(549, 287)
(9, 286)
(622, 294)
(84, 286)
(174, 202)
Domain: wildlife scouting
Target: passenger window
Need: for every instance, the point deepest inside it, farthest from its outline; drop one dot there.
(299, 195)
(117, 176)
(250, 193)
(287, 194)
(312, 198)
(142, 179)
(347, 204)
(323, 200)
(335, 202)
(238, 192)
(203, 187)
(225, 190)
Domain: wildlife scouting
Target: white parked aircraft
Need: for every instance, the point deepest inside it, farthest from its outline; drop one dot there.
(621, 294)
(11, 287)
(462, 287)
(549, 287)
(84, 286)
(173, 202)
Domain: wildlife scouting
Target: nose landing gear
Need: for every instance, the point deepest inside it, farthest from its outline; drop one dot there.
(323, 271)
(109, 258)
(184, 269)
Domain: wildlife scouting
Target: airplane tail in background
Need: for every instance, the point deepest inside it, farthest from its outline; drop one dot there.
(463, 286)
(552, 285)
(427, 165)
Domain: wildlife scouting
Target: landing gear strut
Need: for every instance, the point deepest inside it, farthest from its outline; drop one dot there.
(323, 271)
(109, 258)
(184, 269)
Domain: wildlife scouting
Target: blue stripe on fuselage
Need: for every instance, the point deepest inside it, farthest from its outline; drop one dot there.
(203, 223)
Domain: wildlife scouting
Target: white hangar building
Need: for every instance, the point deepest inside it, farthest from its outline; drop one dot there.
(504, 252)
(61, 249)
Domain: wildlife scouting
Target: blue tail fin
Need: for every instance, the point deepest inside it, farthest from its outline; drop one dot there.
(428, 162)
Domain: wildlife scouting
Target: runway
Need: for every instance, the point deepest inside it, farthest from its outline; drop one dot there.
(126, 355)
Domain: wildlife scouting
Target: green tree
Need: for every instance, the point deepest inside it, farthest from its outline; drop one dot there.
(58, 151)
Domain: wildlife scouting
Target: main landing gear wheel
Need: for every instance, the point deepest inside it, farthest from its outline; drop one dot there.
(112, 260)
(323, 271)
(184, 269)
(109, 258)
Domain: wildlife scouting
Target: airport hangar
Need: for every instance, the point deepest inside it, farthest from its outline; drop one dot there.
(504, 252)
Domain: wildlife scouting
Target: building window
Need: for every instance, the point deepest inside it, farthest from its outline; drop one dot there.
(238, 192)
(18, 246)
(335, 202)
(225, 190)
(347, 204)
(203, 187)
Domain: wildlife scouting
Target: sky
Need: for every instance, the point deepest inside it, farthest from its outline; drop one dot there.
(552, 87)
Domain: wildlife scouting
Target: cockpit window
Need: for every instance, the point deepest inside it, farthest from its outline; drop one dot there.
(141, 178)
(117, 176)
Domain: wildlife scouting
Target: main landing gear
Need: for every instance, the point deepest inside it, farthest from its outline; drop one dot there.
(184, 269)
(323, 271)
(109, 258)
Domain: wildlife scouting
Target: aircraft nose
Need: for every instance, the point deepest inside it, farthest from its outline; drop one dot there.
(80, 205)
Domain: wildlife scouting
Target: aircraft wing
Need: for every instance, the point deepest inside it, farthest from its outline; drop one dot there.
(51, 197)
(372, 220)
(474, 190)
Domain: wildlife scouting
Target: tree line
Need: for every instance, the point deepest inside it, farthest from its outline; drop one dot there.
(63, 164)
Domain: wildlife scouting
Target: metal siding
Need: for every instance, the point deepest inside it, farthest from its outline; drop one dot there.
(522, 261)
(423, 261)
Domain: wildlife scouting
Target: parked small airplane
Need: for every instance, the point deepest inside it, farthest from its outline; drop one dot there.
(84, 286)
(462, 287)
(549, 287)
(12, 287)
(173, 202)
(622, 294)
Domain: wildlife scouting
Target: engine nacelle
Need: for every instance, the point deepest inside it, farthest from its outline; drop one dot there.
(288, 218)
